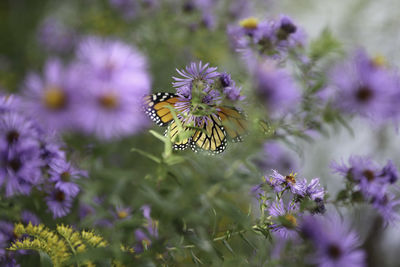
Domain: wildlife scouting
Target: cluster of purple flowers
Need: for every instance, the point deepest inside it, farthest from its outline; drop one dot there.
(32, 157)
(374, 183)
(201, 89)
(272, 38)
(98, 93)
(364, 86)
(289, 193)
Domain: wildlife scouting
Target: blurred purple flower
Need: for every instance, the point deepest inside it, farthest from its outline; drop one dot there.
(389, 173)
(16, 129)
(122, 213)
(364, 88)
(128, 8)
(334, 242)
(314, 190)
(29, 217)
(388, 207)
(6, 237)
(63, 174)
(143, 238)
(287, 213)
(20, 168)
(279, 183)
(59, 203)
(277, 89)
(116, 81)
(54, 99)
(55, 36)
(276, 156)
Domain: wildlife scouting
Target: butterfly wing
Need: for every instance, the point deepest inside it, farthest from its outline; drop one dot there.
(234, 121)
(174, 132)
(211, 137)
(158, 107)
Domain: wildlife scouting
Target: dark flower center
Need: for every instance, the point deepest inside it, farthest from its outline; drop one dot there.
(289, 28)
(65, 176)
(364, 94)
(15, 164)
(59, 196)
(54, 98)
(12, 136)
(108, 101)
(290, 179)
(369, 175)
(334, 251)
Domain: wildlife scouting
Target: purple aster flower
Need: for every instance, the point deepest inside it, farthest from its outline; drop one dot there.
(388, 207)
(8, 103)
(277, 89)
(54, 99)
(59, 203)
(230, 90)
(7, 236)
(29, 217)
(144, 238)
(289, 35)
(117, 79)
(362, 88)
(275, 156)
(15, 129)
(195, 74)
(51, 148)
(108, 59)
(389, 173)
(55, 36)
(314, 190)
(365, 173)
(279, 183)
(20, 168)
(257, 191)
(288, 212)
(334, 242)
(63, 174)
(85, 210)
(122, 213)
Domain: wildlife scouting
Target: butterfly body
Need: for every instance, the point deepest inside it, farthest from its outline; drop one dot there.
(205, 133)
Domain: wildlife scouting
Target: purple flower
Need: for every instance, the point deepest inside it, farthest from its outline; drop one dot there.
(389, 173)
(230, 90)
(314, 190)
(363, 88)
(55, 36)
(20, 168)
(7, 236)
(288, 213)
(62, 173)
(279, 183)
(275, 156)
(16, 129)
(334, 242)
(108, 59)
(388, 207)
(59, 203)
(8, 103)
(144, 238)
(195, 74)
(29, 217)
(277, 89)
(117, 79)
(54, 99)
(122, 213)
(365, 173)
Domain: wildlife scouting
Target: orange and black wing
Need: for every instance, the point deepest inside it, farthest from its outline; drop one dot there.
(234, 121)
(180, 136)
(158, 107)
(211, 137)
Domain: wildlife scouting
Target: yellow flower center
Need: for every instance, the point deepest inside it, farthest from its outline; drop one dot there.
(54, 98)
(108, 101)
(291, 219)
(249, 23)
(379, 61)
(122, 214)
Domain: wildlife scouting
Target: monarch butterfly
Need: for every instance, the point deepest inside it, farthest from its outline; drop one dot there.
(211, 134)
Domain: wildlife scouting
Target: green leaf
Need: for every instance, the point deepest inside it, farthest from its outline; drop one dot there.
(325, 44)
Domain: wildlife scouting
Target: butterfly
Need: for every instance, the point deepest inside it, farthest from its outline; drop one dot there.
(228, 123)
